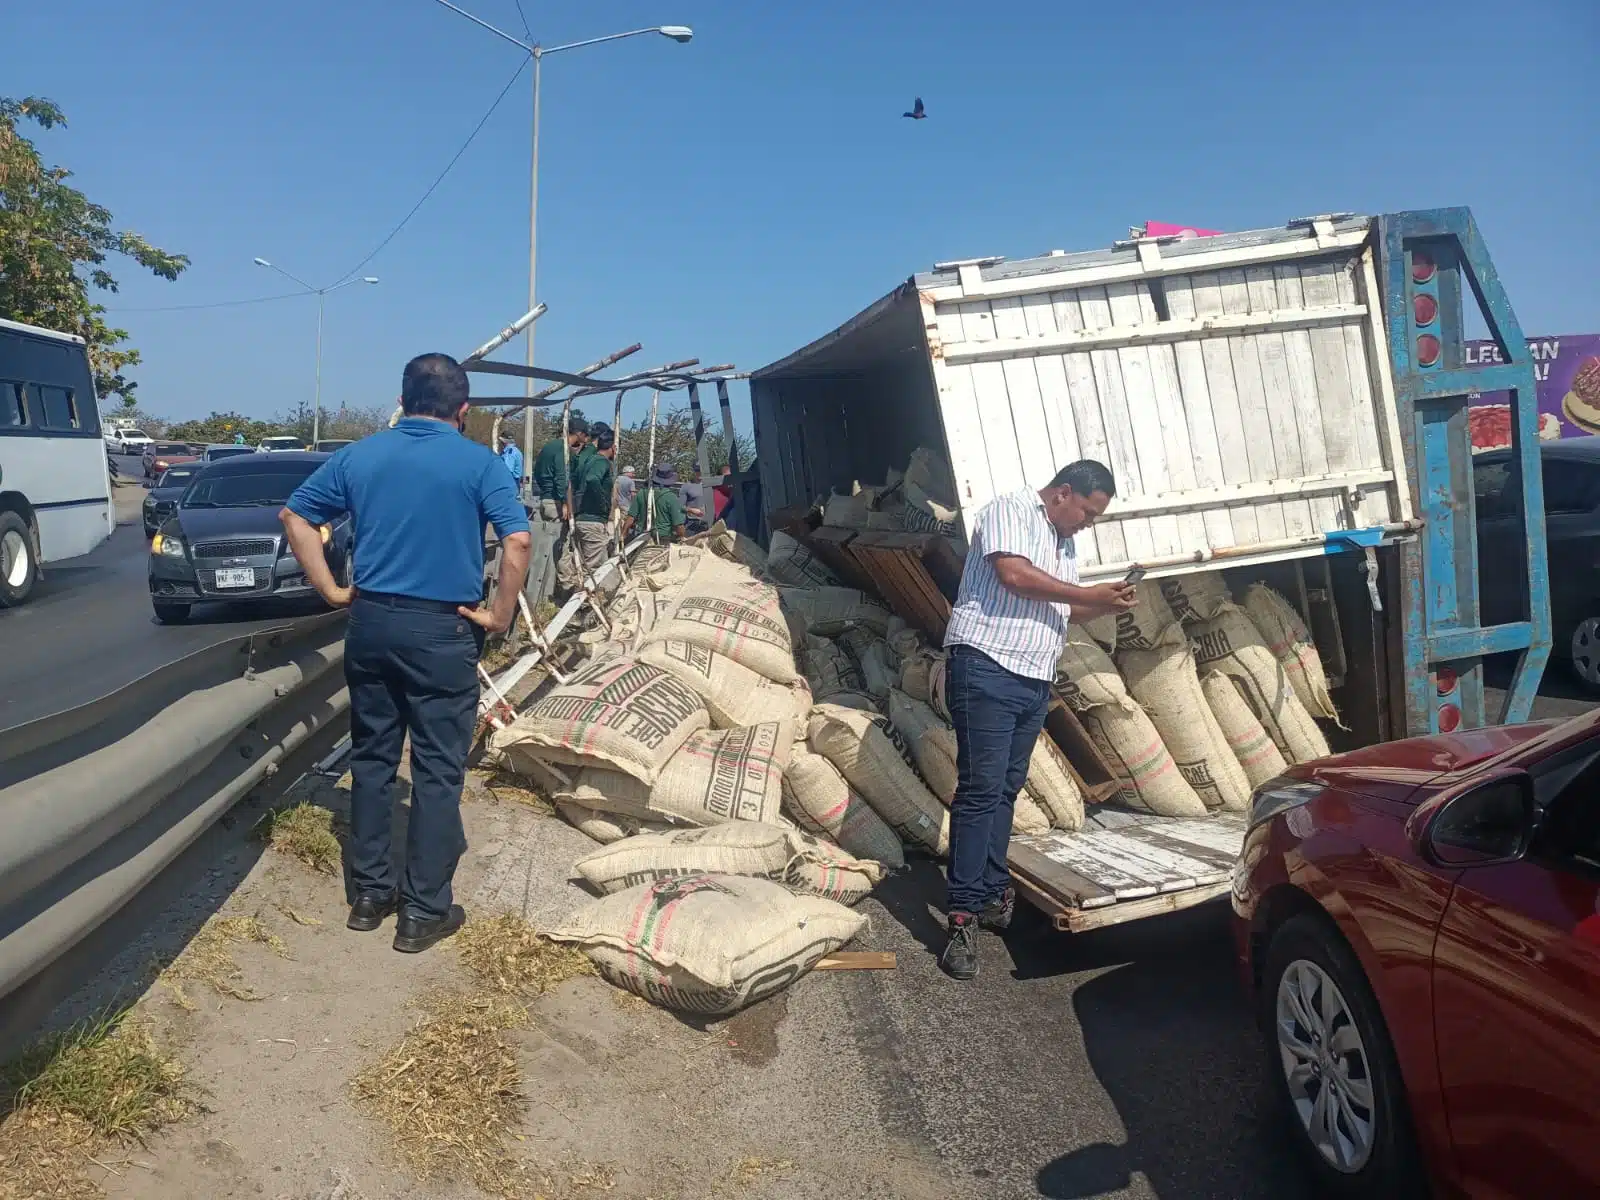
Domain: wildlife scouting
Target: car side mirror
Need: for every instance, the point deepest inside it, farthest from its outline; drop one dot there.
(1488, 821)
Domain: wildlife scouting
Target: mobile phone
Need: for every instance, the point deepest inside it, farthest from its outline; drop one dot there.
(1134, 576)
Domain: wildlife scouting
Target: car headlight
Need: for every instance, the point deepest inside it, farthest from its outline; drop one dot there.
(167, 546)
(1278, 796)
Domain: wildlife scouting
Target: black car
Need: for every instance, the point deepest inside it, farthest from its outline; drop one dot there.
(225, 541)
(163, 497)
(1571, 471)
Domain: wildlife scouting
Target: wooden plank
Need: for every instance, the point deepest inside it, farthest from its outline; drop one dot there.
(1031, 430)
(1262, 288)
(1155, 477)
(1136, 910)
(958, 406)
(1195, 396)
(1056, 398)
(1093, 774)
(992, 407)
(1008, 344)
(1331, 369)
(1233, 447)
(1259, 445)
(1060, 882)
(856, 960)
(908, 569)
(1118, 424)
(832, 545)
(1175, 434)
(1083, 397)
(1325, 510)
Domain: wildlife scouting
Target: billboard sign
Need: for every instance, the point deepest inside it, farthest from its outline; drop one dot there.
(1566, 371)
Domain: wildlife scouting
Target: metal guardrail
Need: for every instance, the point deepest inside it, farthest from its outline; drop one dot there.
(98, 800)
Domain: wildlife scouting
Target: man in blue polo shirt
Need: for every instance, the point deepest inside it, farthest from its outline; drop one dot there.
(420, 495)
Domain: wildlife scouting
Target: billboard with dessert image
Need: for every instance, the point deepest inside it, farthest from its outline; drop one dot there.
(1566, 371)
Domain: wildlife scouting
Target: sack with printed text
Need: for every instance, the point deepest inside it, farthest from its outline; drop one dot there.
(790, 564)
(1231, 643)
(863, 747)
(831, 611)
(708, 944)
(723, 608)
(820, 801)
(733, 694)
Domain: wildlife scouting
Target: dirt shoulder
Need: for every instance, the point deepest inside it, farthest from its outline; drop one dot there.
(621, 1098)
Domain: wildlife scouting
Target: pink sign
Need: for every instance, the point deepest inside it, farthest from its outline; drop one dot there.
(1167, 229)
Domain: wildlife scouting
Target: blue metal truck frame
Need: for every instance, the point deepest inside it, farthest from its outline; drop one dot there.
(1437, 255)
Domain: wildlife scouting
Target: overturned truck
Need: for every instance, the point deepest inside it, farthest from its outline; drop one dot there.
(1285, 412)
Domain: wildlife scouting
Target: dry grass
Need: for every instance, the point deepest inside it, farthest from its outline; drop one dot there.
(451, 1092)
(747, 1172)
(208, 958)
(508, 788)
(306, 832)
(499, 655)
(69, 1096)
(508, 955)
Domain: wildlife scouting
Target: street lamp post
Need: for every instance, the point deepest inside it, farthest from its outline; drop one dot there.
(678, 33)
(319, 293)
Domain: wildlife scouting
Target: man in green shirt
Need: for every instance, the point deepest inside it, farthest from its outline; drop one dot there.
(591, 508)
(658, 507)
(550, 510)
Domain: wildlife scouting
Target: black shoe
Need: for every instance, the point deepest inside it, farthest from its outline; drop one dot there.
(996, 915)
(960, 957)
(412, 936)
(369, 910)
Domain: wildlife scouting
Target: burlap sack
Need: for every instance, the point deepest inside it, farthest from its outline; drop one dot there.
(849, 512)
(1051, 783)
(930, 494)
(1196, 598)
(829, 669)
(1142, 626)
(708, 944)
(1085, 675)
(623, 714)
(732, 546)
(1101, 630)
(759, 851)
(1231, 643)
(733, 695)
(934, 750)
(821, 802)
(723, 608)
(830, 611)
(668, 567)
(1165, 684)
(606, 827)
(861, 748)
(1256, 752)
(1146, 773)
(789, 564)
(1291, 643)
(726, 775)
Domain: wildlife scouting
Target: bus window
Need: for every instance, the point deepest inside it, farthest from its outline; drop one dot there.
(13, 407)
(60, 410)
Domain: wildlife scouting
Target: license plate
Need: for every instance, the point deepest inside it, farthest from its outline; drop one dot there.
(238, 577)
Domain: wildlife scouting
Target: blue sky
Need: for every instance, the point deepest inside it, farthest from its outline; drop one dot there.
(736, 197)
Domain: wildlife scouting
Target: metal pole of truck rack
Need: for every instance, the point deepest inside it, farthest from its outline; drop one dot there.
(650, 469)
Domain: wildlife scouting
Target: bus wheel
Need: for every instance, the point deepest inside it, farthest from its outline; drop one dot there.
(19, 568)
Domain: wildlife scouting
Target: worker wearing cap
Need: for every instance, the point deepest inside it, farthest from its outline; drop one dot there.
(657, 509)
(550, 478)
(419, 495)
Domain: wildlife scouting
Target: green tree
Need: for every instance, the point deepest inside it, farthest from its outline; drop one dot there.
(54, 243)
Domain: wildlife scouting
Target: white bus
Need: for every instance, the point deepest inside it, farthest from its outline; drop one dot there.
(55, 490)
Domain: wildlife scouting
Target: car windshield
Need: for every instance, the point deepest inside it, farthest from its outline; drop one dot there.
(237, 489)
(176, 477)
(169, 448)
(333, 445)
(281, 443)
(228, 451)
(138, 433)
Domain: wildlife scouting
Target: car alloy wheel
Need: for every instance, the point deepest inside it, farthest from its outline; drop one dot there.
(1326, 1067)
(1586, 651)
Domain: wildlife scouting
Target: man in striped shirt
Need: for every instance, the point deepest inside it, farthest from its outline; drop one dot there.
(1009, 626)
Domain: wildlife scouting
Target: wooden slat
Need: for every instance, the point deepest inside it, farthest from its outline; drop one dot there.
(857, 960)
(1155, 476)
(1252, 393)
(1136, 910)
(832, 545)
(1308, 411)
(1118, 424)
(993, 404)
(1065, 885)
(915, 573)
(1282, 420)
(1108, 542)
(1093, 774)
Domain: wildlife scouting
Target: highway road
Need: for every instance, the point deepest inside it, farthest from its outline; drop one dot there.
(89, 628)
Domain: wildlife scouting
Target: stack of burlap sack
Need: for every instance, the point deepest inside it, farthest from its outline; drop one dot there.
(1195, 700)
(920, 499)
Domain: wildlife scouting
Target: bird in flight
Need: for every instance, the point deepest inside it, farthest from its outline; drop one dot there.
(917, 113)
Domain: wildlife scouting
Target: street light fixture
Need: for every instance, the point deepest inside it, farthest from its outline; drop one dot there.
(319, 293)
(677, 33)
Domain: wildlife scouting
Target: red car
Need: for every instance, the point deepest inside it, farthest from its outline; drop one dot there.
(158, 456)
(1420, 925)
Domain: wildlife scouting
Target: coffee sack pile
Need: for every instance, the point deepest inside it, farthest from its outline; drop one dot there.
(671, 747)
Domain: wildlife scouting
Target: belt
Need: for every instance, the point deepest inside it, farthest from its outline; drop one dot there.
(415, 603)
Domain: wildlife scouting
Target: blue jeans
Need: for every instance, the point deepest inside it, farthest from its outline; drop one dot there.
(998, 716)
(411, 666)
